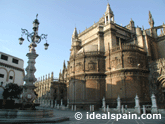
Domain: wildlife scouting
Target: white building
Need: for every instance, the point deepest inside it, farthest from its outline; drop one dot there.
(11, 71)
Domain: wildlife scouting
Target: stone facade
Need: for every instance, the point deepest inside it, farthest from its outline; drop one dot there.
(50, 90)
(109, 60)
(157, 80)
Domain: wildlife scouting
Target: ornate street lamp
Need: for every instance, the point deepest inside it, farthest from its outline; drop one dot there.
(28, 95)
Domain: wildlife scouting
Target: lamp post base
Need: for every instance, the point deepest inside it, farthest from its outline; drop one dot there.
(28, 89)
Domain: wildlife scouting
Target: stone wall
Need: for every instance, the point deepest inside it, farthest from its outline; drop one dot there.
(157, 69)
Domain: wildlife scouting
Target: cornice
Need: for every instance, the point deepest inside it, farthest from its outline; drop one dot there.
(10, 66)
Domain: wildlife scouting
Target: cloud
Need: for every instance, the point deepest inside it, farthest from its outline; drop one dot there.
(4, 41)
(3, 44)
(7, 49)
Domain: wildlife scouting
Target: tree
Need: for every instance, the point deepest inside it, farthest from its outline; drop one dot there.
(12, 91)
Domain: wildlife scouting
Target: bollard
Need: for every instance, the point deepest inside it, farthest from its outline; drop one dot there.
(74, 107)
(122, 108)
(58, 106)
(90, 107)
(137, 105)
(104, 109)
(154, 108)
(107, 108)
(93, 107)
(144, 109)
(55, 103)
(125, 108)
(61, 102)
(118, 104)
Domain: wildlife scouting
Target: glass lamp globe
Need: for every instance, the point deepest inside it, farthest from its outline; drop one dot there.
(21, 40)
(35, 23)
(46, 46)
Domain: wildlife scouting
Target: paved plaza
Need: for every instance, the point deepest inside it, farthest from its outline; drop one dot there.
(72, 120)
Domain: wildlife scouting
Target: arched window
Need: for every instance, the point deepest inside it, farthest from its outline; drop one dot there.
(107, 18)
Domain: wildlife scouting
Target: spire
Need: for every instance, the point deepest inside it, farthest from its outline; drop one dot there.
(109, 15)
(60, 75)
(52, 76)
(132, 25)
(108, 10)
(151, 20)
(75, 34)
(132, 22)
(150, 15)
(64, 66)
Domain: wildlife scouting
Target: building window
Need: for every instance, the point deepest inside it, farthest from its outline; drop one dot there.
(117, 41)
(106, 18)
(15, 61)
(1, 75)
(4, 57)
(11, 77)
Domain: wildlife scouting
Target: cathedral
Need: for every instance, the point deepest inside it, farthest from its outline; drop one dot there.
(108, 60)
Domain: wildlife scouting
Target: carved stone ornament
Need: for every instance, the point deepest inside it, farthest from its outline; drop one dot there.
(131, 60)
(115, 63)
(112, 64)
(91, 65)
(79, 66)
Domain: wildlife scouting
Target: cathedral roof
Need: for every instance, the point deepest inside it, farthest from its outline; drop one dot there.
(88, 48)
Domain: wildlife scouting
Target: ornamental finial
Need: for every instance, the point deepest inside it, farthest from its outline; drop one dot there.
(36, 16)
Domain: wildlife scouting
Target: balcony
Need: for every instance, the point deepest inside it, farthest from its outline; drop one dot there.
(127, 47)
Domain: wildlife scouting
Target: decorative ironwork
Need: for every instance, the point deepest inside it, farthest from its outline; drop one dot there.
(34, 37)
(28, 95)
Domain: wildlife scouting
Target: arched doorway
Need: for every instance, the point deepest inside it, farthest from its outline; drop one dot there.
(160, 92)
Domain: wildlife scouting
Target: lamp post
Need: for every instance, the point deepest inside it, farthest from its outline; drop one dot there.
(28, 95)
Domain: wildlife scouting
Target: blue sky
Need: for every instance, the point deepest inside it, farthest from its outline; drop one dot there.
(58, 18)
